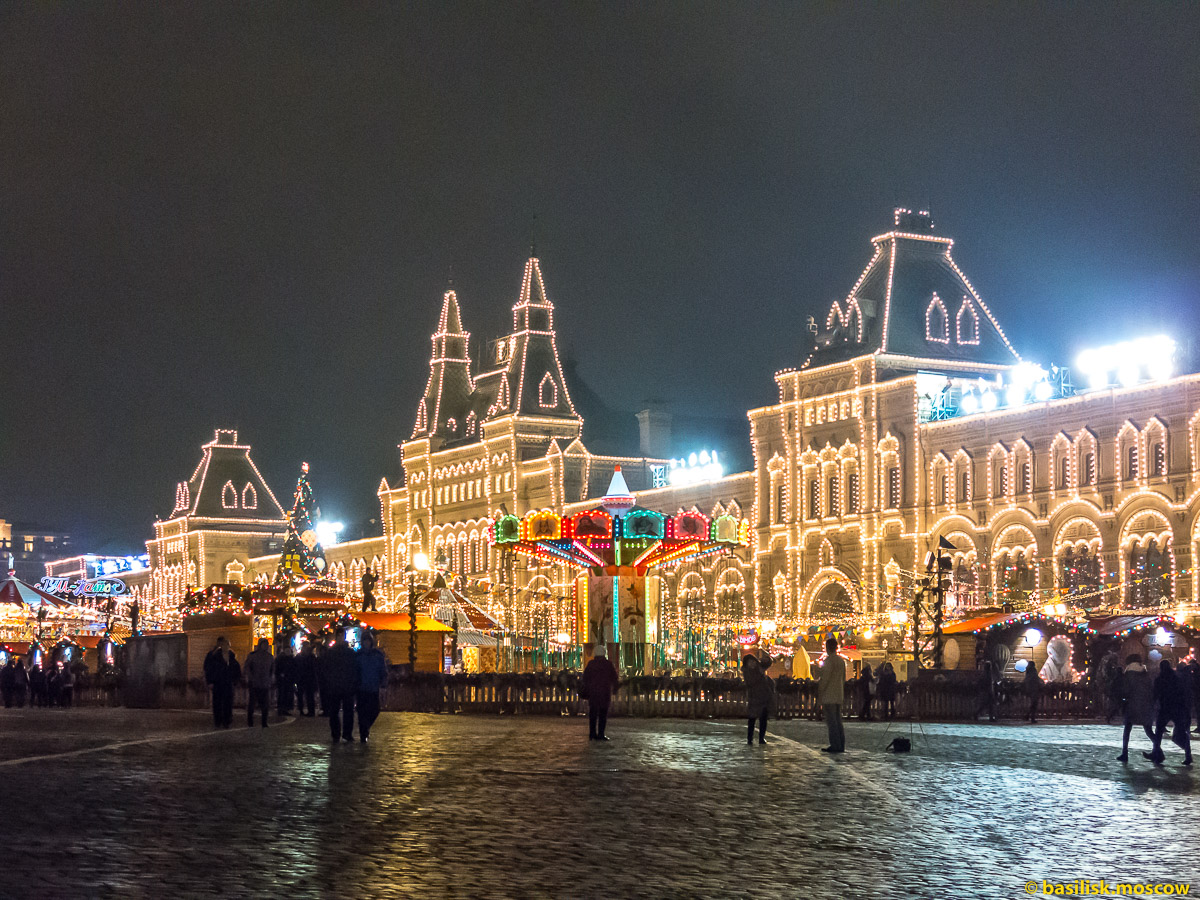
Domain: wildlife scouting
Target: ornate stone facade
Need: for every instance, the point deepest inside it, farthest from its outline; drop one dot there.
(872, 453)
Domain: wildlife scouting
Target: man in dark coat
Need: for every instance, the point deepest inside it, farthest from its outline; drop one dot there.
(8, 681)
(305, 669)
(1032, 688)
(1173, 701)
(372, 677)
(37, 686)
(760, 695)
(600, 680)
(221, 670)
(339, 668)
(285, 679)
(887, 689)
(1136, 692)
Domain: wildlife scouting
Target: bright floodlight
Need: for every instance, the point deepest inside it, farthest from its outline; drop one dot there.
(988, 401)
(327, 532)
(1128, 374)
(1153, 355)
(970, 403)
(1014, 395)
(421, 560)
(1033, 637)
(1042, 391)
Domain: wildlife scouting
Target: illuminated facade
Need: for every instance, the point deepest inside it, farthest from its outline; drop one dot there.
(911, 418)
(914, 419)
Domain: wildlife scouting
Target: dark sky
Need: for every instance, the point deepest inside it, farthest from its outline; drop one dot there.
(243, 215)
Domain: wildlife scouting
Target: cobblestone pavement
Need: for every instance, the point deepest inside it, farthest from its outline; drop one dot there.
(130, 804)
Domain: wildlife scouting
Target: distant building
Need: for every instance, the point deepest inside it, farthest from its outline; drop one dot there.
(27, 548)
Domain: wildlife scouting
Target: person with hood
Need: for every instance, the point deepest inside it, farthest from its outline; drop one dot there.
(37, 686)
(305, 667)
(285, 679)
(1136, 693)
(8, 681)
(372, 676)
(866, 684)
(760, 696)
(339, 670)
(20, 683)
(599, 681)
(259, 671)
(887, 689)
(221, 670)
(1172, 700)
(1032, 688)
(831, 694)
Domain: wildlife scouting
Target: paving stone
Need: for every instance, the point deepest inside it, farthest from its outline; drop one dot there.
(458, 806)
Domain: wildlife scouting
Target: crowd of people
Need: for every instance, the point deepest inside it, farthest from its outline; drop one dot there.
(345, 680)
(1155, 702)
(53, 686)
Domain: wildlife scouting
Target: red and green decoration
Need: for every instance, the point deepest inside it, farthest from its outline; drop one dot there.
(619, 533)
(302, 559)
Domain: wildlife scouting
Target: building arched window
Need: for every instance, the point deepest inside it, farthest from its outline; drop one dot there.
(249, 497)
(967, 323)
(229, 496)
(937, 321)
(547, 392)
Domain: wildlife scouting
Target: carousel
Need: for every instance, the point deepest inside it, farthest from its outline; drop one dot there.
(39, 626)
(615, 551)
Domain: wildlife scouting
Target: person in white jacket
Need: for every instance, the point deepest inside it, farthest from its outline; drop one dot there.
(831, 694)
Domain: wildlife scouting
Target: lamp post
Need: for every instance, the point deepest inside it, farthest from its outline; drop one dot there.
(420, 563)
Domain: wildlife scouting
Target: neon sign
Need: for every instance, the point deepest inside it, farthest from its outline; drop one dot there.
(83, 587)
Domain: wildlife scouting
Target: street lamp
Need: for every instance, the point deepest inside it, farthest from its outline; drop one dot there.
(420, 563)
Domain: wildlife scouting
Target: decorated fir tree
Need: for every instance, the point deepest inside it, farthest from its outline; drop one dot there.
(302, 559)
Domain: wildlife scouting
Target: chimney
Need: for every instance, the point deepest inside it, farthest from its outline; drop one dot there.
(654, 430)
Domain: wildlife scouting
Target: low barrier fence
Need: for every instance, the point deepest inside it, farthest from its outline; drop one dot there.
(932, 697)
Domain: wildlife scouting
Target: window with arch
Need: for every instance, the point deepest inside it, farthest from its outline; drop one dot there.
(852, 492)
(967, 323)
(894, 494)
(547, 392)
(1158, 459)
(249, 497)
(964, 486)
(831, 496)
(1025, 477)
(814, 499)
(937, 321)
(1062, 478)
(1131, 461)
(944, 489)
(229, 496)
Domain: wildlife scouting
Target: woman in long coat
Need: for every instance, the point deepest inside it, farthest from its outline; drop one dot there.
(760, 696)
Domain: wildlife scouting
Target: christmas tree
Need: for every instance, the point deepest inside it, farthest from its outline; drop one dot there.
(302, 558)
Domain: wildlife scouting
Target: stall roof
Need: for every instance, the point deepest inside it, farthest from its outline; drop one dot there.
(14, 590)
(1113, 625)
(399, 622)
(981, 623)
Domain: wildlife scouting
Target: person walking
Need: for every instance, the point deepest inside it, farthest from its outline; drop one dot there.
(259, 671)
(8, 681)
(305, 667)
(887, 690)
(339, 668)
(369, 580)
(599, 681)
(285, 679)
(866, 684)
(66, 686)
(221, 670)
(1032, 688)
(987, 691)
(37, 686)
(831, 694)
(760, 696)
(1173, 701)
(20, 683)
(372, 676)
(1136, 695)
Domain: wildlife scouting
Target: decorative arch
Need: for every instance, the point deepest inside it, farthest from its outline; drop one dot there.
(1015, 563)
(547, 392)
(1079, 562)
(937, 321)
(821, 581)
(966, 323)
(1147, 555)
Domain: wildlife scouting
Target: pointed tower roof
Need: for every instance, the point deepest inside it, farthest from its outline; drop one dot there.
(447, 401)
(913, 301)
(618, 500)
(226, 484)
(533, 377)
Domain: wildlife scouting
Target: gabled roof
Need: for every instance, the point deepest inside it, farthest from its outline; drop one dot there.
(444, 409)
(912, 300)
(534, 376)
(226, 484)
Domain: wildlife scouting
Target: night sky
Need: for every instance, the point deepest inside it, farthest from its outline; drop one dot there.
(244, 215)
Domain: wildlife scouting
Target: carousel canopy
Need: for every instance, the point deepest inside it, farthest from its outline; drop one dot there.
(1119, 625)
(15, 591)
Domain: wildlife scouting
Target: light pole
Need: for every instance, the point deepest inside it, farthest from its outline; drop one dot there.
(420, 563)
